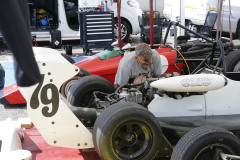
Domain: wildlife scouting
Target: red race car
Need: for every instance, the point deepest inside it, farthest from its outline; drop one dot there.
(105, 65)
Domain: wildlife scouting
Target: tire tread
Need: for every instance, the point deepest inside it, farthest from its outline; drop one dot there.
(191, 137)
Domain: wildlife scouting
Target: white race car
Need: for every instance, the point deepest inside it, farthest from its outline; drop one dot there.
(124, 129)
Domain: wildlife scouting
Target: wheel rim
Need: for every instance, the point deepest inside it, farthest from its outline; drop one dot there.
(123, 31)
(68, 86)
(237, 67)
(132, 139)
(209, 152)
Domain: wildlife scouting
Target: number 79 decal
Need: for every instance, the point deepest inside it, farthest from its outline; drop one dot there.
(44, 99)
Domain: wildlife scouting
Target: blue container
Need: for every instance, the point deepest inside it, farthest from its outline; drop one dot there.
(34, 17)
(2, 77)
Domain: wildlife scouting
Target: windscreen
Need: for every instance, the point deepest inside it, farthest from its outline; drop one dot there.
(106, 54)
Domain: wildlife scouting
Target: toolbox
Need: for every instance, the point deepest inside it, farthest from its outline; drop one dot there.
(96, 30)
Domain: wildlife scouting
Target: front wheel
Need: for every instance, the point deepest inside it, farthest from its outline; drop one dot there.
(127, 131)
(206, 143)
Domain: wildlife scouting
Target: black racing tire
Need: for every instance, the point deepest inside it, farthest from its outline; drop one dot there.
(238, 31)
(127, 130)
(80, 94)
(233, 61)
(126, 29)
(203, 45)
(68, 84)
(204, 142)
(68, 58)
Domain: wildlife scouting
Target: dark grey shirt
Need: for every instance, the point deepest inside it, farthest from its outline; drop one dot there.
(129, 68)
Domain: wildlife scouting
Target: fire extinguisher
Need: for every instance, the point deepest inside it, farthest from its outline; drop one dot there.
(102, 6)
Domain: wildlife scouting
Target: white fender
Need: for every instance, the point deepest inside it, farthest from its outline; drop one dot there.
(191, 83)
(51, 116)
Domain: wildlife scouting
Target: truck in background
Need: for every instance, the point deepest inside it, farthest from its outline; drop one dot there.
(47, 16)
(196, 12)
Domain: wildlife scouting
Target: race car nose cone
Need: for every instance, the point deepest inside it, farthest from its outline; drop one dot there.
(191, 83)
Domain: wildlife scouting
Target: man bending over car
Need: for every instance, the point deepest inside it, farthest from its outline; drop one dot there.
(136, 66)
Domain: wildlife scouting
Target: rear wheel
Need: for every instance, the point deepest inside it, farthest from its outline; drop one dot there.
(81, 92)
(206, 143)
(233, 61)
(127, 130)
(125, 30)
(68, 84)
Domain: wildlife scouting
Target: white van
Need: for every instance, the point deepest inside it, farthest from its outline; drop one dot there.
(196, 12)
(47, 15)
(157, 6)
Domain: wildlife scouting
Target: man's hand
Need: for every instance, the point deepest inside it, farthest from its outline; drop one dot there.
(141, 78)
(171, 74)
(176, 74)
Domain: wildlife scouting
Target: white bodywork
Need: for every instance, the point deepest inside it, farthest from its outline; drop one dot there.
(196, 11)
(54, 120)
(217, 107)
(190, 83)
(170, 107)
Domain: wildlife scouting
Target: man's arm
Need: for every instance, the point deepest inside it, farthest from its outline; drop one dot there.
(122, 76)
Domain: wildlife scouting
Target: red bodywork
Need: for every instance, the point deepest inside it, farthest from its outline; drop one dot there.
(108, 68)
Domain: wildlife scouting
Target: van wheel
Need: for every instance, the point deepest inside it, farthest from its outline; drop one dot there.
(125, 30)
(233, 61)
(206, 143)
(127, 130)
(81, 92)
(68, 84)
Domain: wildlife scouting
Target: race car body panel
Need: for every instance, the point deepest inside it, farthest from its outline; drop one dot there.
(218, 107)
(54, 120)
